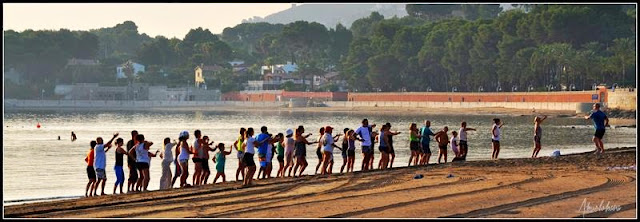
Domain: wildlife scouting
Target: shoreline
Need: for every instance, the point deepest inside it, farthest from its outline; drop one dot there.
(584, 164)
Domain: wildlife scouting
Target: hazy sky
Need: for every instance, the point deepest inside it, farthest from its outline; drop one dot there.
(167, 19)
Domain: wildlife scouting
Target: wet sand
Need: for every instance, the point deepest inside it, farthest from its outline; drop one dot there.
(546, 187)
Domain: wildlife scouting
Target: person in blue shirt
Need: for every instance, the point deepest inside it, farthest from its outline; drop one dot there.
(600, 120)
(425, 132)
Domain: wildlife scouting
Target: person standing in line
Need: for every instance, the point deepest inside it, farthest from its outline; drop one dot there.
(443, 139)
(365, 132)
(183, 157)
(289, 146)
(198, 155)
(328, 143)
(280, 151)
(345, 148)
(414, 144)
(425, 139)
(219, 159)
(600, 121)
(176, 162)
(238, 144)
(271, 151)
(537, 135)
(464, 147)
(384, 147)
(262, 149)
(101, 161)
(351, 152)
(131, 163)
(392, 151)
(454, 145)
(318, 149)
(167, 159)
(206, 148)
(301, 150)
(143, 158)
(250, 144)
(495, 138)
(91, 172)
(120, 152)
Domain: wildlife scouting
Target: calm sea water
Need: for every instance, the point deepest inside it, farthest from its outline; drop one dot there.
(38, 166)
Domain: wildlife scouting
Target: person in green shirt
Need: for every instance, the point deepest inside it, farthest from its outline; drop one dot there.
(219, 160)
(238, 145)
(280, 152)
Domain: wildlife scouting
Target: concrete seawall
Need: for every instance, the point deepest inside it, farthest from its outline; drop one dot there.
(12, 104)
(568, 106)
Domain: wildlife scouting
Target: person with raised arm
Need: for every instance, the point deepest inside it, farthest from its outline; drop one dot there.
(464, 147)
(495, 138)
(100, 162)
(537, 135)
(301, 150)
(600, 121)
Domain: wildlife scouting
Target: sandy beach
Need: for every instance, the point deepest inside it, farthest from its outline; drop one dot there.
(577, 185)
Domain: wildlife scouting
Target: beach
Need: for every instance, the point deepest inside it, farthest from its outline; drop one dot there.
(576, 185)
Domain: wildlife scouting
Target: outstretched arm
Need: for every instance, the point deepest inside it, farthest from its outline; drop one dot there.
(469, 129)
(111, 140)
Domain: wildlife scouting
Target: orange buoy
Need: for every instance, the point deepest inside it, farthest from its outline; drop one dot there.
(38, 125)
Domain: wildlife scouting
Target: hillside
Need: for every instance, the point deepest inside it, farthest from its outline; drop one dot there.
(331, 14)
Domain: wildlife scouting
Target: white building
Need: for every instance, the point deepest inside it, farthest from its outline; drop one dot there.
(285, 68)
(137, 68)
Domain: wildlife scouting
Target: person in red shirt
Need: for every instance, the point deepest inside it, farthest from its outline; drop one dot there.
(90, 171)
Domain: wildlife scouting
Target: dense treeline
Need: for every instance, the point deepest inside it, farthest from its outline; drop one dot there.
(436, 47)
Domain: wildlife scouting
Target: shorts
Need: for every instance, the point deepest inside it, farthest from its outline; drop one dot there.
(599, 133)
(100, 174)
(443, 148)
(142, 165)
(383, 149)
(263, 163)
(351, 153)
(178, 170)
(133, 173)
(536, 139)
(425, 148)
(248, 160)
(414, 146)
(119, 174)
(196, 160)
(91, 173)
(301, 151)
(344, 154)
(184, 161)
(205, 165)
(240, 153)
(280, 159)
(392, 150)
(319, 154)
(366, 149)
(496, 141)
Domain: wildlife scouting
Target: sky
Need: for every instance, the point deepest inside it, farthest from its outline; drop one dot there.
(167, 19)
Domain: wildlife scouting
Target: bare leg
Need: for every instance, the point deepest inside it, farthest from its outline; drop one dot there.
(89, 185)
(103, 182)
(393, 157)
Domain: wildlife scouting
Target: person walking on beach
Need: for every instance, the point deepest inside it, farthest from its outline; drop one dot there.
(167, 159)
(364, 132)
(73, 136)
(238, 145)
(301, 150)
(131, 163)
(219, 159)
(600, 121)
(345, 147)
(318, 149)
(183, 157)
(101, 161)
(495, 138)
(91, 172)
(443, 139)
(289, 146)
(425, 139)
(537, 135)
(328, 143)
(464, 147)
(414, 144)
(198, 155)
(120, 152)
(280, 151)
(392, 151)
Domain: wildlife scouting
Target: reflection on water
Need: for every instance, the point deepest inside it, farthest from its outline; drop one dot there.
(38, 165)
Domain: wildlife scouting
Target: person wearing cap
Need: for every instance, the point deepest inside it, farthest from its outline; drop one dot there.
(328, 143)
(289, 145)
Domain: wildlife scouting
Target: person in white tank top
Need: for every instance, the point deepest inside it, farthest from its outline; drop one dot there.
(495, 138)
(289, 146)
(464, 147)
